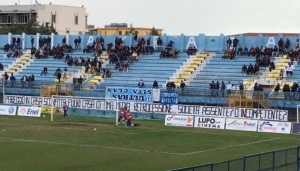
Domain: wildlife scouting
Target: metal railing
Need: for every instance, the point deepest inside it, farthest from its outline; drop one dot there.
(192, 92)
(285, 159)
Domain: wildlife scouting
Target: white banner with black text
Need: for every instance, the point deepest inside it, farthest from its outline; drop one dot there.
(102, 104)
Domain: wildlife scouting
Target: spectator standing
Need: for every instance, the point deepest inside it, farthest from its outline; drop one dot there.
(80, 83)
(65, 107)
(169, 86)
(79, 43)
(241, 87)
(32, 41)
(289, 70)
(74, 84)
(286, 91)
(280, 44)
(58, 75)
(228, 42)
(229, 88)
(235, 43)
(287, 43)
(223, 87)
(56, 82)
(19, 42)
(159, 43)
(212, 87)
(277, 88)
(155, 84)
(65, 73)
(294, 89)
(233, 88)
(64, 40)
(6, 78)
(182, 86)
(217, 88)
(12, 80)
(14, 40)
(57, 70)
(23, 81)
(76, 44)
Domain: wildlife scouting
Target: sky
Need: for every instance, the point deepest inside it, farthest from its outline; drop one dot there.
(191, 17)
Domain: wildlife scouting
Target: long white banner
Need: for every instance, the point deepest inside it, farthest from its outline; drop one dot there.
(102, 104)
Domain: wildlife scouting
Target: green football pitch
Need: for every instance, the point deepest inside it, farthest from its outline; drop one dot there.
(96, 144)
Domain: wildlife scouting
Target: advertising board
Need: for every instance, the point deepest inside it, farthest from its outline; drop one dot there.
(241, 124)
(29, 111)
(275, 127)
(179, 120)
(209, 122)
(8, 110)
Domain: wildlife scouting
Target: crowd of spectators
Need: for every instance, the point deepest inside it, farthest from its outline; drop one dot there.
(25, 81)
(219, 89)
(168, 51)
(289, 92)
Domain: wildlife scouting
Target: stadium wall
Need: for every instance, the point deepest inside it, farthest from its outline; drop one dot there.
(181, 42)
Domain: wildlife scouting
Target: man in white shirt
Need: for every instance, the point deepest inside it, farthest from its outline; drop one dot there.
(228, 87)
(232, 88)
(289, 70)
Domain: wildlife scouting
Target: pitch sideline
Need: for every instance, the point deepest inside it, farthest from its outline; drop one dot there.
(137, 150)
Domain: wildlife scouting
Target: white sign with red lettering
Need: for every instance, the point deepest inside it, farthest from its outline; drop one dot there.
(179, 120)
(275, 127)
(241, 124)
(29, 111)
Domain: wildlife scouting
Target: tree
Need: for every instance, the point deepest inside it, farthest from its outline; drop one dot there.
(154, 32)
(32, 27)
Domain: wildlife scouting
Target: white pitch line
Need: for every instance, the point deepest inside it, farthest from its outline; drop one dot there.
(84, 145)
(239, 145)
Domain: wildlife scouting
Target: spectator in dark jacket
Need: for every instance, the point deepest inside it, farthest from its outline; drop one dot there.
(155, 84)
(286, 91)
(277, 88)
(294, 90)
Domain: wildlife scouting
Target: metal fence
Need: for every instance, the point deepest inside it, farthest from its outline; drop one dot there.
(280, 160)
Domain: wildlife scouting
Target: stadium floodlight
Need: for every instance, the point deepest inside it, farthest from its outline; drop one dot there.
(88, 103)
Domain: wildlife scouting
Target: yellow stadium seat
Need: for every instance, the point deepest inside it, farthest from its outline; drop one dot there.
(176, 80)
(184, 76)
(192, 65)
(189, 69)
(186, 72)
(196, 62)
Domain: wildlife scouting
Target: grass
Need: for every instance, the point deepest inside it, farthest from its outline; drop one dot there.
(72, 144)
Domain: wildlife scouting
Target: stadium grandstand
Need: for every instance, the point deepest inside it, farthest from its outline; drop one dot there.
(203, 69)
(252, 77)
